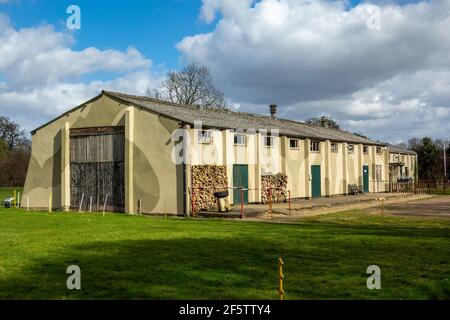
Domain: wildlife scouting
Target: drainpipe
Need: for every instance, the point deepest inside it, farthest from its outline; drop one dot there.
(186, 173)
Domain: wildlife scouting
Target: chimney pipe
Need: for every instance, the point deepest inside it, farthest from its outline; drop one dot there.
(273, 110)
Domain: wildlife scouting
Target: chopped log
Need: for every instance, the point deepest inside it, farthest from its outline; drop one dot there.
(206, 180)
(275, 184)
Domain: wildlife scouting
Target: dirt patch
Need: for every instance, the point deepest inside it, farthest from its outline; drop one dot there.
(432, 207)
(407, 205)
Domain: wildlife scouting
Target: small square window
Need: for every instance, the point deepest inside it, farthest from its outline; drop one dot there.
(334, 147)
(293, 143)
(351, 148)
(378, 150)
(366, 149)
(268, 141)
(239, 139)
(205, 137)
(315, 146)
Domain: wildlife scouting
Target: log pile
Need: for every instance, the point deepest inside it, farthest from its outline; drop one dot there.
(279, 184)
(205, 181)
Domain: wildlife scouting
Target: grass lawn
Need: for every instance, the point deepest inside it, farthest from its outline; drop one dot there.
(137, 257)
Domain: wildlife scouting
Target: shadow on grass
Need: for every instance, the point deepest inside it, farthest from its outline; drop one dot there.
(322, 261)
(392, 230)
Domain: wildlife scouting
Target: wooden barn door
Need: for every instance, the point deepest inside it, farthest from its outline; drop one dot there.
(97, 169)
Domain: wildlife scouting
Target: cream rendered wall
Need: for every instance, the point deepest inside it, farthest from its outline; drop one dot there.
(411, 165)
(270, 157)
(155, 177)
(45, 171)
(379, 185)
(247, 155)
(367, 160)
(223, 151)
(295, 169)
(337, 172)
(353, 166)
(317, 158)
(207, 153)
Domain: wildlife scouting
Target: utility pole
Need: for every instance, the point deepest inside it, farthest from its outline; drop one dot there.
(445, 160)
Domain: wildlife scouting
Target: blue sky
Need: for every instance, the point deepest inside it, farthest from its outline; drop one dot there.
(391, 83)
(152, 26)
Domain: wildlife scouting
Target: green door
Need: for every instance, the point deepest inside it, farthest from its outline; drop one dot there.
(240, 179)
(316, 182)
(366, 178)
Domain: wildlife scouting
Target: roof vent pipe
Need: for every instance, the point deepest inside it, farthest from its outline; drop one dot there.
(273, 110)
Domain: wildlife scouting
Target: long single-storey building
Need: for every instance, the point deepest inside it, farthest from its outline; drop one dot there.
(135, 154)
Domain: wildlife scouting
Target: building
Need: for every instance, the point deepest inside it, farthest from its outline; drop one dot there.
(402, 163)
(136, 154)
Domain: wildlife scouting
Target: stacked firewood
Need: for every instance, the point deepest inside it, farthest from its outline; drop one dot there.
(205, 181)
(275, 185)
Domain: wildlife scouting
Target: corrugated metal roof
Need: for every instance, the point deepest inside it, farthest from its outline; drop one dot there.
(227, 119)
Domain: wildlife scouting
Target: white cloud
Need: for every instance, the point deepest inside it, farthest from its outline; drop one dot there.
(322, 56)
(41, 75)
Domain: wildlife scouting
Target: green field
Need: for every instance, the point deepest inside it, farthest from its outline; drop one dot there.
(153, 258)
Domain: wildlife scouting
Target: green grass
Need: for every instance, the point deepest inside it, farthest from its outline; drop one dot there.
(152, 258)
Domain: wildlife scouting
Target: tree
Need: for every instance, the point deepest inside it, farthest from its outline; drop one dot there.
(193, 85)
(427, 154)
(13, 169)
(326, 122)
(14, 153)
(11, 134)
(359, 134)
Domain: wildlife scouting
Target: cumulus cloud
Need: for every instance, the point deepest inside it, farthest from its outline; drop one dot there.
(41, 75)
(390, 80)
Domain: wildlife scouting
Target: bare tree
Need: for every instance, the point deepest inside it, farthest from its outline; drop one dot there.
(14, 153)
(11, 134)
(193, 85)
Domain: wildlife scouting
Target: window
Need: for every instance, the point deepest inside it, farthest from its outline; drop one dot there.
(315, 146)
(239, 139)
(334, 147)
(366, 149)
(268, 141)
(293, 144)
(351, 148)
(378, 150)
(205, 137)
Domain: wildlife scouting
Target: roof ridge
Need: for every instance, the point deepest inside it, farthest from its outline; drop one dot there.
(132, 96)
